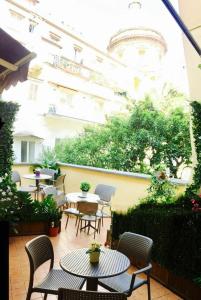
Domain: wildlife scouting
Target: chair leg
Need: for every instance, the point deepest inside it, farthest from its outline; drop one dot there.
(99, 225)
(148, 288)
(29, 294)
(89, 223)
(78, 226)
(67, 221)
(45, 296)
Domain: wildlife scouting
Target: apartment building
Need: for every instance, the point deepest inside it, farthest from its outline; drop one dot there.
(71, 83)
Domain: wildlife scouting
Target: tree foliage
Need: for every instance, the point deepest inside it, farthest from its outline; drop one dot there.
(136, 143)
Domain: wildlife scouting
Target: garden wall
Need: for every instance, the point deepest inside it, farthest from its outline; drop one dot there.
(130, 186)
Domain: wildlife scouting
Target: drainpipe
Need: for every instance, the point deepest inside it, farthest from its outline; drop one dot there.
(181, 24)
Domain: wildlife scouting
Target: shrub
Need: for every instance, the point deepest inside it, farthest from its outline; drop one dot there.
(7, 116)
(175, 232)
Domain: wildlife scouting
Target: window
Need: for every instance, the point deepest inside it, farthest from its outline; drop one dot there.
(33, 90)
(77, 53)
(27, 151)
(23, 151)
(32, 25)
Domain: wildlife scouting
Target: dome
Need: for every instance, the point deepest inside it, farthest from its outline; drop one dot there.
(138, 36)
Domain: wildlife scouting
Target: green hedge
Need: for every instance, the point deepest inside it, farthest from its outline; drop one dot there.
(8, 111)
(176, 234)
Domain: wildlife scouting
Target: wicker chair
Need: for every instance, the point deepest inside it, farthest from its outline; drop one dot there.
(49, 172)
(58, 195)
(88, 213)
(105, 192)
(58, 182)
(65, 294)
(139, 247)
(23, 188)
(39, 251)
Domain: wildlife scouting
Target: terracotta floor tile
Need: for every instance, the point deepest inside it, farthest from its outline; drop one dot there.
(63, 243)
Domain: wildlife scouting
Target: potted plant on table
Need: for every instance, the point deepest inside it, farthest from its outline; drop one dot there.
(94, 252)
(85, 187)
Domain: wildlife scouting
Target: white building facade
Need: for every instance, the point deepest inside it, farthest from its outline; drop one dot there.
(72, 83)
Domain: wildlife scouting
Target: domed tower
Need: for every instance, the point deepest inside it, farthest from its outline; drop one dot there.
(140, 47)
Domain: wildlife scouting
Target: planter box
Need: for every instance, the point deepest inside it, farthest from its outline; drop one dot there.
(183, 287)
(31, 228)
(179, 285)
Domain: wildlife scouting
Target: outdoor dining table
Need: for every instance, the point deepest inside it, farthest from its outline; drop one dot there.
(111, 263)
(75, 197)
(37, 178)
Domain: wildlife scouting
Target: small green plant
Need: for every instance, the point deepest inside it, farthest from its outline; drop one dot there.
(94, 247)
(85, 186)
(54, 213)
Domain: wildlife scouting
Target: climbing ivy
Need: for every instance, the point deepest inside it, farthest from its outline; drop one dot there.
(196, 117)
(8, 111)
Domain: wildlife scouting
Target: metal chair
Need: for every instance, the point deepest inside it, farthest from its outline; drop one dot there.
(39, 251)
(66, 294)
(72, 211)
(15, 176)
(105, 193)
(139, 247)
(88, 213)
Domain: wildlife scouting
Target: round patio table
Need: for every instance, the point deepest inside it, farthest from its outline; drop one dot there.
(37, 178)
(75, 197)
(111, 263)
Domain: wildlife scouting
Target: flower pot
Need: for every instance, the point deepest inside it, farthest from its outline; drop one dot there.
(94, 257)
(84, 194)
(53, 231)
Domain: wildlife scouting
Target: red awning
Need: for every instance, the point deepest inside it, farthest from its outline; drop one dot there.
(14, 61)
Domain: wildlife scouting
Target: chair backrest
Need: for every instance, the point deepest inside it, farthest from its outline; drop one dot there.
(39, 250)
(58, 196)
(87, 208)
(105, 192)
(137, 246)
(15, 176)
(47, 171)
(66, 294)
(59, 182)
(50, 190)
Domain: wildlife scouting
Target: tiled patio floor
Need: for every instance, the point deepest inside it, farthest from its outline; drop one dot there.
(64, 242)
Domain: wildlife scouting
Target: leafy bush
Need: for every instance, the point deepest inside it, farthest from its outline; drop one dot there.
(196, 116)
(48, 160)
(18, 206)
(134, 143)
(161, 190)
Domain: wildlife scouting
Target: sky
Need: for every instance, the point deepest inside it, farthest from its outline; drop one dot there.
(98, 20)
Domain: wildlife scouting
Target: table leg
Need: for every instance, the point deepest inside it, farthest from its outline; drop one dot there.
(38, 188)
(92, 284)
